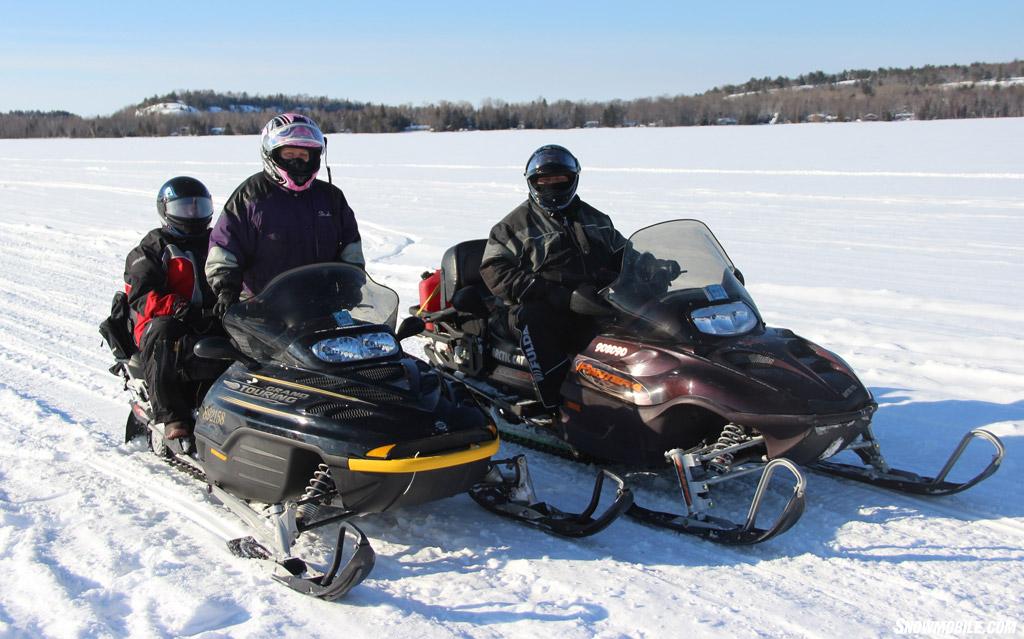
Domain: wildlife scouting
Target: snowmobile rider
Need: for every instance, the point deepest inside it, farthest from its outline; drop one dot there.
(549, 245)
(281, 217)
(167, 293)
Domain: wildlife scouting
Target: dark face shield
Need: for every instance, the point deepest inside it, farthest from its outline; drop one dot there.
(189, 215)
(190, 208)
(552, 160)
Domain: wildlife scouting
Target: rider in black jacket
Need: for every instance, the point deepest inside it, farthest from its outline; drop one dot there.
(167, 294)
(539, 253)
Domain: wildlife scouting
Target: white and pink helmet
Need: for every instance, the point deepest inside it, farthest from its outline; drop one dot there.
(291, 129)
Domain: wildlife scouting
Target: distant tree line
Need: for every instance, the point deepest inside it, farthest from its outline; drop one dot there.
(926, 93)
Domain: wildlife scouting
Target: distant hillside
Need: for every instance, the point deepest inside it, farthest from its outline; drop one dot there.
(927, 93)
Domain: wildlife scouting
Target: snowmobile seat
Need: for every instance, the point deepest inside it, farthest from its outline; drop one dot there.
(460, 267)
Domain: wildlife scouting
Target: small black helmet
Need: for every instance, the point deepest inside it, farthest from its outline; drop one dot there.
(547, 161)
(184, 205)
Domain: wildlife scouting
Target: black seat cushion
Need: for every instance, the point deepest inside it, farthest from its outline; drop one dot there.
(460, 267)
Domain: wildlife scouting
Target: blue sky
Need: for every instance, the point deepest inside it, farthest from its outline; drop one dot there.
(97, 59)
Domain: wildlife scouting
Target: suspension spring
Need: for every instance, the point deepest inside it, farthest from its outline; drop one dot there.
(732, 434)
(318, 493)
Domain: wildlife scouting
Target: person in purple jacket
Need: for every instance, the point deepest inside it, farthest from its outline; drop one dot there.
(281, 217)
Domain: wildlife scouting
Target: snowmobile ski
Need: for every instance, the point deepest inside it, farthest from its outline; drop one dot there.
(275, 532)
(333, 584)
(877, 472)
(288, 570)
(536, 434)
(717, 529)
(511, 494)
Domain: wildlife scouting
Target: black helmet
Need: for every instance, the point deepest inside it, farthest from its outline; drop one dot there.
(552, 160)
(184, 205)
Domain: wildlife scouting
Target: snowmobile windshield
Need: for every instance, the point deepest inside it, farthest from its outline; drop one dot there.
(309, 301)
(669, 270)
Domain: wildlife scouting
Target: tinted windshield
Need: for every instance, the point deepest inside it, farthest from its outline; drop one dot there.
(669, 269)
(306, 300)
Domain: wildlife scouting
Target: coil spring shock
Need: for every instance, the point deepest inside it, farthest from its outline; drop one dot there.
(732, 434)
(318, 492)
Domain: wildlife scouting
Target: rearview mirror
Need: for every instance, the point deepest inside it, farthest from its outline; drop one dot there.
(222, 348)
(410, 326)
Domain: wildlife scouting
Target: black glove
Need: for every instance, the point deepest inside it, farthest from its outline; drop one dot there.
(224, 301)
(650, 268)
(179, 310)
(670, 268)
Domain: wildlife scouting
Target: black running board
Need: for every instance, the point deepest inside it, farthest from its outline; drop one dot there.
(335, 583)
(513, 496)
(728, 532)
(908, 482)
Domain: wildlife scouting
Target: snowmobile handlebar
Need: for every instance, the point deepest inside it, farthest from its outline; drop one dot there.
(586, 301)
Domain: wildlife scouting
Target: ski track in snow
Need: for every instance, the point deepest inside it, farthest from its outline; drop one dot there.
(913, 281)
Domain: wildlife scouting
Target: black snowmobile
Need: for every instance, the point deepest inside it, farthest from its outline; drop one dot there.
(321, 417)
(682, 369)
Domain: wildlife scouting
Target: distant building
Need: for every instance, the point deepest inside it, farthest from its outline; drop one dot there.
(166, 108)
(903, 116)
(726, 121)
(591, 124)
(418, 127)
(216, 130)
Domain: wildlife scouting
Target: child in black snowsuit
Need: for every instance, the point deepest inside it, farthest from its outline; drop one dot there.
(167, 294)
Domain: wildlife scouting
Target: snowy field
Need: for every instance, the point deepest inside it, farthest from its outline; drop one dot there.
(897, 245)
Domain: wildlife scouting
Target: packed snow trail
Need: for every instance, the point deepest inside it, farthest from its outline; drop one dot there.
(859, 237)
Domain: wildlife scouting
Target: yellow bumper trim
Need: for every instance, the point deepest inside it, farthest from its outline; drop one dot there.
(419, 464)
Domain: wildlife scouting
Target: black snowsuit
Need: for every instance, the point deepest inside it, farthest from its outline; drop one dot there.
(533, 260)
(167, 292)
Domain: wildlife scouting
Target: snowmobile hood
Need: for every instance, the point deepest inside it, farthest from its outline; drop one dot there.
(770, 372)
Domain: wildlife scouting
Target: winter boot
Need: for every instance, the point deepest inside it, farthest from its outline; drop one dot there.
(176, 430)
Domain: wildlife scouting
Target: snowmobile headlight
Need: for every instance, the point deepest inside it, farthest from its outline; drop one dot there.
(735, 318)
(354, 348)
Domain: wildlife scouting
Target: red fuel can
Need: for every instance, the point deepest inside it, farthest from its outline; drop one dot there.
(430, 293)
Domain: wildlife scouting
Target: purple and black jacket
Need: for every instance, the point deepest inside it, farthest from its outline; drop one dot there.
(265, 230)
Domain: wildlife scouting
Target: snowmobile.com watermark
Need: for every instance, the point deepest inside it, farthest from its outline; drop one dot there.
(957, 628)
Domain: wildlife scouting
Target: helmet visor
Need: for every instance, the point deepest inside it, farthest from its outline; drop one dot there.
(295, 134)
(190, 208)
(554, 160)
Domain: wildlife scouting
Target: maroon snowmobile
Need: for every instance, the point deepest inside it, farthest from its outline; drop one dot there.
(682, 369)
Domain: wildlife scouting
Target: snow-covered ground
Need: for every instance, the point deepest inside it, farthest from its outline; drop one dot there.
(897, 245)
